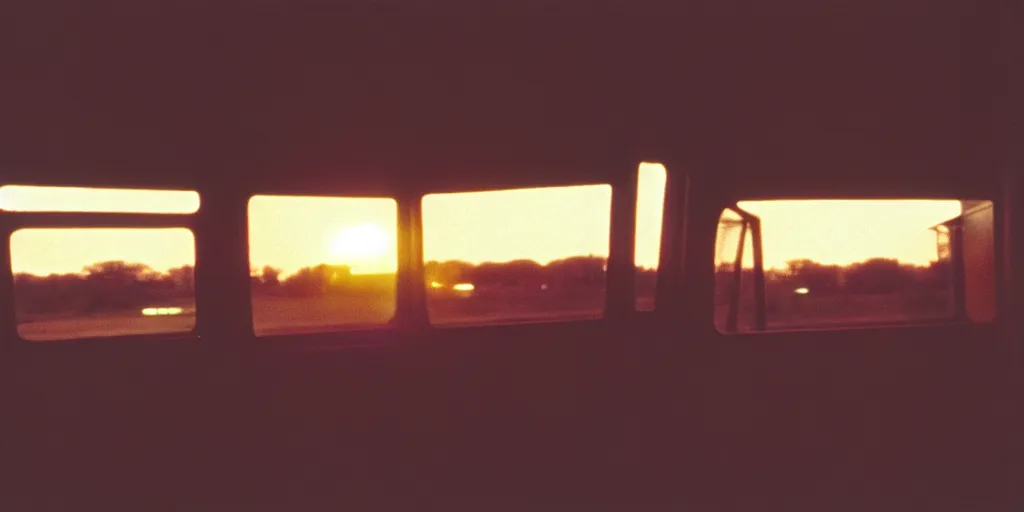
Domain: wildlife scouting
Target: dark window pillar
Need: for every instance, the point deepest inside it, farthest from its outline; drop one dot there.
(411, 299)
(621, 277)
(223, 295)
(8, 320)
(669, 291)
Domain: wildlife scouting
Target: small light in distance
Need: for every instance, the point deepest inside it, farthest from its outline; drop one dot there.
(464, 287)
(801, 291)
(435, 284)
(162, 311)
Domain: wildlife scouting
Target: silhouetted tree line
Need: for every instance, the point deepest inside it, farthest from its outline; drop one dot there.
(873, 276)
(118, 285)
(315, 281)
(123, 286)
(101, 287)
(578, 272)
(574, 272)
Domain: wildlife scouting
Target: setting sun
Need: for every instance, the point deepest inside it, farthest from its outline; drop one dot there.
(290, 233)
(361, 243)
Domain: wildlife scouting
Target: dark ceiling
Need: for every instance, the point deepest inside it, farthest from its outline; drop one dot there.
(190, 93)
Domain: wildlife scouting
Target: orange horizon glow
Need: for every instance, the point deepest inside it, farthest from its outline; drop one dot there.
(292, 232)
(45, 251)
(845, 232)
(540, 224)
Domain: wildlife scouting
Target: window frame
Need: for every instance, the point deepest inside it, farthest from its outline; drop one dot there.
(750, 225)
(664, 253)
(400, 318)
(609, 303)
(710, 215)
(411, 316)
(223, 210)
(13, 221)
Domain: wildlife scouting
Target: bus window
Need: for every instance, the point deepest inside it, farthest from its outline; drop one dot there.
(100, 283)
(840, 263)
(524, 255)
(322, 264)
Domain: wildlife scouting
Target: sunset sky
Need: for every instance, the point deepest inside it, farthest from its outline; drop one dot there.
(844, 232)
(539, 224)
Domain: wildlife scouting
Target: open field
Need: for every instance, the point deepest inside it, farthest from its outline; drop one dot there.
(96, 326)
(793, 311)
(280, 315)
(283, 315)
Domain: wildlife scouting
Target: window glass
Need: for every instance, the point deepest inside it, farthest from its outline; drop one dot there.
(649, 209)
(832, 263)
(79, 199)
(88, 283)
(322, 263)
(521, 255)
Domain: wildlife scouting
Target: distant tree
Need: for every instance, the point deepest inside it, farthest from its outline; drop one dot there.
(49, 294)
(266, 281)
(183, 278)
(879, 275)
(270, 276)
(522, 273)
(805, 273)
(488, 274)
(568, 272)
(577, 271)
(119, 270)
(448, 272)
(115, 285)
(937, 275)
(317, 281)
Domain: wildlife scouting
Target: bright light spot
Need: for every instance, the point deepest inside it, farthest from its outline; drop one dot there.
(543, 287)
(162, 311)
(435, 284)
(360, 243)
(801, 291)
(464, 287)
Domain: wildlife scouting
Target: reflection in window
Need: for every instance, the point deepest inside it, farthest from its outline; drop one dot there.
(845, 263)
(80, 199)
(520, 255)
(322, 263)
(649, 210)
(95, 283)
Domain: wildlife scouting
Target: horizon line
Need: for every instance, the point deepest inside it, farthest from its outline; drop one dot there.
(258, 271)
